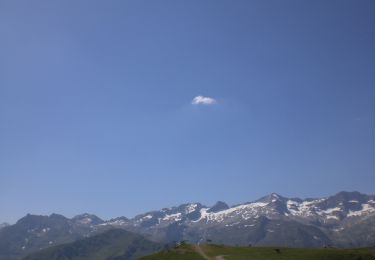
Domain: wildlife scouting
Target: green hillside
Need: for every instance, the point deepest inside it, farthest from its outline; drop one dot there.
(215, 252)
(114, 244)
(183, 252)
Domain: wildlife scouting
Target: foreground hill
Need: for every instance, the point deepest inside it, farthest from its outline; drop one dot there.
(215, 252)
(346, 219)
(112, 244)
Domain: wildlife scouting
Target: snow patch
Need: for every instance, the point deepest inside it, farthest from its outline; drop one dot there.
(191, 208)
(86, 220)
(173, 217)
(117, 222)
(246, 210)
(331, 210)
(233, 224)
(332, 217)
(45, 230)
(305, 208)
(366, 208)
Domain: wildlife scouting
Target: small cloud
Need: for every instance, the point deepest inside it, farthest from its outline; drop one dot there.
(201, 100)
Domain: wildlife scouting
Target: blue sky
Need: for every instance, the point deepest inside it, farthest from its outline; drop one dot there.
(96, 111)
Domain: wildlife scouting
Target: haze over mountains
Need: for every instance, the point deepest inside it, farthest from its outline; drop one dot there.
(346, 219)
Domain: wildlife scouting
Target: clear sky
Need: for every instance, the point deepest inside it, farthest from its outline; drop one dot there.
(97, 111)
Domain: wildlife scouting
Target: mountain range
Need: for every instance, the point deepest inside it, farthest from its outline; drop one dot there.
(346, 219)
(114, 244)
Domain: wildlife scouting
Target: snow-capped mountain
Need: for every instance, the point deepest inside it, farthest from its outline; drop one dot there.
(345, 219)
(326, 219)
(331, 211)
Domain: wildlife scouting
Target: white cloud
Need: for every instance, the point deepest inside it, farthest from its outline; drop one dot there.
(201, 100)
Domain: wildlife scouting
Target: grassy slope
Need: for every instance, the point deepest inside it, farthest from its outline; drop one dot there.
(184, 252)
(269, 253)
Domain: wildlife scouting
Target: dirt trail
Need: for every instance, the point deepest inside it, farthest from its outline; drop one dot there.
(199, 250)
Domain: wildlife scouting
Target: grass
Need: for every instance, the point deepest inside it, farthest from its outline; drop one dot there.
(267, 253)
(289, 253)
(183, 252)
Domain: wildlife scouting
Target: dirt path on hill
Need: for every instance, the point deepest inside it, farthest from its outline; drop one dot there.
(199, 250)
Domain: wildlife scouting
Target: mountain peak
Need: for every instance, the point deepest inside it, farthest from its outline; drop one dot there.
(219, 206)
(273, 197)
(119, 218)
(87, 218)
(57, 216)
(30, 218)
(348, 194)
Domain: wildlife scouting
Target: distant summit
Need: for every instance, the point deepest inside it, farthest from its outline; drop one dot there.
(219, 206)
(88, 219)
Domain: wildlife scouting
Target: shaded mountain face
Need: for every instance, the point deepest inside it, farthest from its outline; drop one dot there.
(112, 244)
(345, 219)
(32, 233)
(2, 225)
